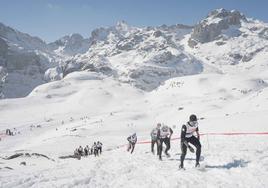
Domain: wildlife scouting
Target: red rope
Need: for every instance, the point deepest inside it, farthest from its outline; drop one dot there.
(223, 134)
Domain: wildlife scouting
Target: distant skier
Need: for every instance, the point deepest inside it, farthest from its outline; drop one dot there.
(154, 137)
(80, 150)
(132, 140)
(99, 147)
(164, 134)
(187, 136)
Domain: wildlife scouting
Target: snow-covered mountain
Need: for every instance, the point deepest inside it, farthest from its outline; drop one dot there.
(224, 42)
(24, 60)
(70, 45)
(212, 27)
(143, 57)
(230, 41)
(176, 70)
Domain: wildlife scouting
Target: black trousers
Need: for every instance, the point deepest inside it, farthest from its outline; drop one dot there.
(96, 153)
(100, 150)
(193, 140)
(153, 142)
(80, 153)
(160, 146)
(131, 147)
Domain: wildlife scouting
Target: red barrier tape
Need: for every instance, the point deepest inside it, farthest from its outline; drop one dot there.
(220, 134)
(202, 134)
(2, 135)
(256, 133)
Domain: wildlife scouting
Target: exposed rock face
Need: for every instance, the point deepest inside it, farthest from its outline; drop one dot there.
(23, 61)
(70, 45)
(143, 57)
(211, 28)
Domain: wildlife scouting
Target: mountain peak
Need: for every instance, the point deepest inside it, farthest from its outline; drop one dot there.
(218, 12)
(122, 25)
(77, 36)
(234, 16)
(215, 23)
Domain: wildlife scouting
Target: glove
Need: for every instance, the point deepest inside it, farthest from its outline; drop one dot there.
(191, 149)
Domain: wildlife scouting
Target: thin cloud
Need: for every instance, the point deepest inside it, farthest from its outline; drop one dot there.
(53, 6)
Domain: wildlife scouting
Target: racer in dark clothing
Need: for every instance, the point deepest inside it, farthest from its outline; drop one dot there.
(132, 140)
(187, 136)
(80, 150)
(95, 149)
(164, 135)
(99, 146)
(86, 150)
(154, 133)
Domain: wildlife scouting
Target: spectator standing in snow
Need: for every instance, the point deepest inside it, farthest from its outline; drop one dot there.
(187, 136)
(80, 150)
(99, 147)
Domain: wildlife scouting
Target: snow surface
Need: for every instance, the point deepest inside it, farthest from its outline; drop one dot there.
(94, 107)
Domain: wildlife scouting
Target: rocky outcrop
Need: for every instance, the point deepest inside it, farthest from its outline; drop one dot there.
(212, 27)
(70, 45)
(16, 155)
(23, 62)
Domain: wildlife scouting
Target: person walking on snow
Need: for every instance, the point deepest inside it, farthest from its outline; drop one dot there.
(99, 147)
(95, 149)
(132, 140)
(86, 150)
(164, 134)
(187, 136)
(80, 150)
(154, 137)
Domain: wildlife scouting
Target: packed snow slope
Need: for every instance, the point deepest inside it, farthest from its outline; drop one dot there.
(85, 107)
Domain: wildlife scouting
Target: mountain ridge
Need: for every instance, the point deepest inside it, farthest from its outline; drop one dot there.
(141, 56)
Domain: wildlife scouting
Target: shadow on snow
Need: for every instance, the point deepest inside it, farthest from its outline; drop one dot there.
(235, 164)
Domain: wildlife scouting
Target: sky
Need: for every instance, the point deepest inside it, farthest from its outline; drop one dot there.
(52, 19)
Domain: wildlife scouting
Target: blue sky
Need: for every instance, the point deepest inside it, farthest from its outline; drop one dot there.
(52, 19)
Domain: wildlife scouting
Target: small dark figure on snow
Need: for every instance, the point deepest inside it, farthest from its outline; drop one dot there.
(86, 150)
(76, 152)
(187, 136)
(164, 134)
(154, 137)
(91, 150)
(8, 132)
(80, 150)
(99, 146)
(132, 140)
(95, 149)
